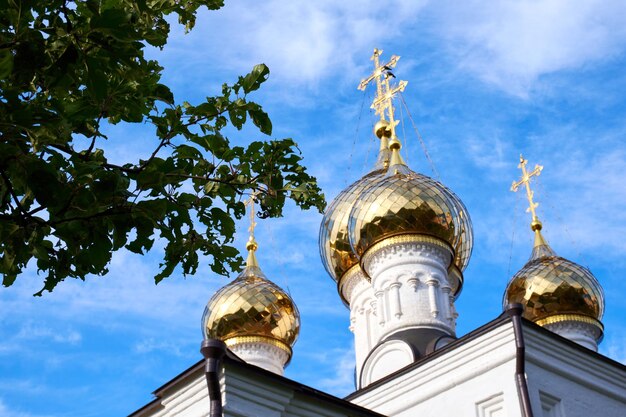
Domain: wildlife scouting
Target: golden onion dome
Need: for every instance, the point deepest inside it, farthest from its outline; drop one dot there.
(252, 309)
(337, 255)
(553, 289)
(404, 202)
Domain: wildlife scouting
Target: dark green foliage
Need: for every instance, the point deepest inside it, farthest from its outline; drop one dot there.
(69, 68)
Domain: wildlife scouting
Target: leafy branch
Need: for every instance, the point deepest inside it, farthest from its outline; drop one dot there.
(68, 70)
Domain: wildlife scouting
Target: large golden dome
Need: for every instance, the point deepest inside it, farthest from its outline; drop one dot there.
(554, 289)
(335, 250)
(337, 255)
(407, 203)
(252, 309)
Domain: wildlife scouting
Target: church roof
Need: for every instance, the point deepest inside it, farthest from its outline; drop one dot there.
(255, 373)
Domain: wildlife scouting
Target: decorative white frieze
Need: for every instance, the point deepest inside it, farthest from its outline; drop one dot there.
(410, 284)
(263, 355)
(584, 334)
(402, 252)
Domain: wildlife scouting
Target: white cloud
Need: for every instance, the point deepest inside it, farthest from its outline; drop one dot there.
(615, 348)
(513, 43)
(488, 153)
(341, 383)
(302, 43)
(153, 344)
(31, 331)
(41, 334)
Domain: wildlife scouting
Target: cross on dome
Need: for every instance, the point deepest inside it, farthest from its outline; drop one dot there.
(250, 205)
(252, 245)
(384, 91)
(526, 177)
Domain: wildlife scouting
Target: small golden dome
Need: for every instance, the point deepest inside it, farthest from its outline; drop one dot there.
(252, 309)
(554, 289)
(405, 202)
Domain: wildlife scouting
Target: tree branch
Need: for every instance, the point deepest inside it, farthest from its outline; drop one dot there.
(12, 192)
(200, 177)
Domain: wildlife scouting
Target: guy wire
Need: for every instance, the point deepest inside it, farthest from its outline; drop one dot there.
(405, 138)
(356, 136)
(508, 270)
(563, 224)
(432, 165)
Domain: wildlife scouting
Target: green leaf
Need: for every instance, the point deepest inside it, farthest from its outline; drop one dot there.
(255, 78)
(84, 66)
(6, 63)
(261, 120)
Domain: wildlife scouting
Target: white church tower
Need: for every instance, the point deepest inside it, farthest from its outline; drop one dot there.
(396, 242)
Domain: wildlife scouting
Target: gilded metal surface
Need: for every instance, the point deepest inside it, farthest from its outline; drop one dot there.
(378, 69)
(526, 176)
(237, 340)
(410, 203)
(541, 249)
(548, 286)
(252, 306)
(559, 318)
(383, 101)
(552, 285)
(337, 255)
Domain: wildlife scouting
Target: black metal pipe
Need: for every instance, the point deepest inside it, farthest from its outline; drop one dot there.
(213, 351)
(515, 312)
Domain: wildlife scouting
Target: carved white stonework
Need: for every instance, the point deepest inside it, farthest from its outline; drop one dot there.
(411, 287)
(263, 355)
(400, 253)
(363, 320)
(446, 303)
(584, 334)
(350, 280)
(385, 359)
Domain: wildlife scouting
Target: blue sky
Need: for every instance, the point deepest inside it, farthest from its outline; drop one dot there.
(487, 81)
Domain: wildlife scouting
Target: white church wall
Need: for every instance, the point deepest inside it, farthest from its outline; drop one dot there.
(566, 381)
(246, 392)
(474, 379)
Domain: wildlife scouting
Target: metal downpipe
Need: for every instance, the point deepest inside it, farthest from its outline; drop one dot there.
(213, 351)
(515, 312)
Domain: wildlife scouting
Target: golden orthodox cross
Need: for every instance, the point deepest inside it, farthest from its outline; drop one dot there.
(250, 205)
(384, 102)
(381, 89)
(526, 176)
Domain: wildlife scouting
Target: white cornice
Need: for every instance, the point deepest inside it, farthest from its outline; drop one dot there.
(575, 363)
(458, 365)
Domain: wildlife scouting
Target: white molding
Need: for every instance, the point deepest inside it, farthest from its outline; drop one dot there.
(405, 253)
(263, 355)
(574, 364)
(492, 406)
(585, 334)
(408, 391)
(384, 360)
